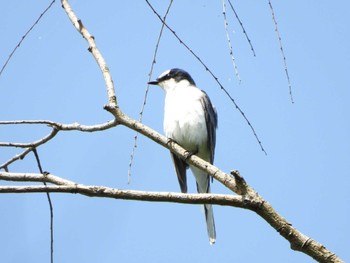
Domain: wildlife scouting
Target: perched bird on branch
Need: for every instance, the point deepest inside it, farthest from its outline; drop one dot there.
(190, 120)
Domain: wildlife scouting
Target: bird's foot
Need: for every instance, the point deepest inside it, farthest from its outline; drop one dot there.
(188, 154)
(170, 140)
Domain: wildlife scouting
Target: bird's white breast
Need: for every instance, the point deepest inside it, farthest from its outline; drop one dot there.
(184, 119)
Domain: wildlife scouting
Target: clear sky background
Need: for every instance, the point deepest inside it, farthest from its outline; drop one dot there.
(305, 174)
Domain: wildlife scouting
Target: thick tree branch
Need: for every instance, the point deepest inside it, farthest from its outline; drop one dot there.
(66, 186)
(298, 241)
(78, 24)
(107, 192)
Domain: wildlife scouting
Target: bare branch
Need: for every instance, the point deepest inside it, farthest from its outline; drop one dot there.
(29, 147)
(78, 24)
(32, 144)
(107, 192)
(56, 127)
(66, 127)
(298, 241)
(33, 177)
(64, 186)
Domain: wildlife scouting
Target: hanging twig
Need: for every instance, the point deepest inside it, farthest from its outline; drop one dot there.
(24, 36)
(146, 92)
(49, 200)
(282, 52)
(241, 24)
(229, 41)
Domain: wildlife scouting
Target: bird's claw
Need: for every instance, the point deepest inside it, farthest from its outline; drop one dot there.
(188, 154)
(170, 140)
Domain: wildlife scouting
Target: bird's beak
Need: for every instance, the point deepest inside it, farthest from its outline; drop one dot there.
(153, 82)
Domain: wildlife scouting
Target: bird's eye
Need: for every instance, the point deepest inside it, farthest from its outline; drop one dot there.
(166, 77)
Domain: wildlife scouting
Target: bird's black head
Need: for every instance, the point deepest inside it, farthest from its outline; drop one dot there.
(176, 74)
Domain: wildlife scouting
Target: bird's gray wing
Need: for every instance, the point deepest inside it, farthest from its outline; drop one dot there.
(211, 119)
(203, 182)
(180, 167)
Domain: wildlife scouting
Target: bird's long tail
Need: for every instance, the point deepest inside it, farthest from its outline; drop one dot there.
(209, 217)
(203, 186)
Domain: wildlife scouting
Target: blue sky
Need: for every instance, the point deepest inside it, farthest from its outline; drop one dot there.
(305, 174)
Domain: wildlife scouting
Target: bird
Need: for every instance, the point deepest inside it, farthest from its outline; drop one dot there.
(190, 119)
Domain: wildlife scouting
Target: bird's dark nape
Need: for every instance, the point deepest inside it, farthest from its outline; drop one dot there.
(180, 74)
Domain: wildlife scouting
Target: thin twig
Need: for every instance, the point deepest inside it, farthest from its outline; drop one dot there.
(25, 35)
(282, 52)
(49, 200)
(212, 74)
(147, 89)
(66, 127)
(241, 24)
(56, 127)
(30, 148)
(229, 41)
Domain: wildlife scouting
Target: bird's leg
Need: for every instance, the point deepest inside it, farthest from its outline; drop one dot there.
(188, 154)
(170, 140)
